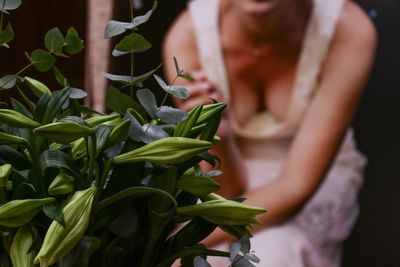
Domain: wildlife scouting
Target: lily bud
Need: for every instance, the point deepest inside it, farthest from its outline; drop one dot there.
(61, 185)
(169, 150)
(20, 253)
(37, 87)
(19, 212)
(16, 119)
(63, 132)
(5, 171)
(101, 119)
(8, 139)
(59, 240)
(223, 212)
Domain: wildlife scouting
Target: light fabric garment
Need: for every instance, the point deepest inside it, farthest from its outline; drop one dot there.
(313, 237)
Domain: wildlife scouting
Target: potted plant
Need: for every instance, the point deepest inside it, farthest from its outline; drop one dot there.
(80, 188)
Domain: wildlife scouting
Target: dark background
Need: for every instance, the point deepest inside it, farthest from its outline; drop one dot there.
(30, 22)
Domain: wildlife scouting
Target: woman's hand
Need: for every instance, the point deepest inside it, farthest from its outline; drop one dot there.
(203, 91)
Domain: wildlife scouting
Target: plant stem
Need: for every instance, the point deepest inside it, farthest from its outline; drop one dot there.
(165, 97)
(38, 177)
(100, 186)
(92, 158)
(18, 73)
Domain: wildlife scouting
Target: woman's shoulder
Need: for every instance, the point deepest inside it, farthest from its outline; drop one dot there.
(181, 40)
(354, 25)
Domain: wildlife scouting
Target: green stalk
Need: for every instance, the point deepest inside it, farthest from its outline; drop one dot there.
(92, 158)
(100, 186)
(39, 184)
(18, 73)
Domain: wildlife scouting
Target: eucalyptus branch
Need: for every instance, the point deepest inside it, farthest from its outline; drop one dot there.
(17, 74)
(166, 96)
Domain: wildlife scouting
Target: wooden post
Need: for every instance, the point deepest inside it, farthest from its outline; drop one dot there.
(97, 52)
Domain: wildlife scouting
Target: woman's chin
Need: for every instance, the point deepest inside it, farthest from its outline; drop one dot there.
(258, 7)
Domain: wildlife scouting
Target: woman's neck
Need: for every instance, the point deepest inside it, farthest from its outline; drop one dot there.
(270, 21)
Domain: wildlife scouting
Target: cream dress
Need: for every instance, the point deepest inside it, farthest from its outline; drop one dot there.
(313, 237)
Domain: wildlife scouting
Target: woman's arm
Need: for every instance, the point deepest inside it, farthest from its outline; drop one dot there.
(343, 76)
(180, 42)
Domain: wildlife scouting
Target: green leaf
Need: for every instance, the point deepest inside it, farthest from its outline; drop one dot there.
(171, 115)
(133, 193)
(7, 35)
(38, 88)
(59, 76)
(119, 102)
(49, 106)
(59, 160)
(133, 43)
(183, 128)
(54, 41)
(54, 212)
(73, 43)
(210, 110)
(14, 157)
(42, 60)
(102, 135)
(148, 101)
(8, 81)
(9, 5)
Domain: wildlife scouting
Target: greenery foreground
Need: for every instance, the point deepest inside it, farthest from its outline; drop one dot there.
(81, 188)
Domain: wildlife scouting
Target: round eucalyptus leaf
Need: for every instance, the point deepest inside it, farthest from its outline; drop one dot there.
(148, 101)
(171, 115)
(200, 262)
(114, 28)
(77, 93)
(8, 81)
(54, 41)
(179, 92)
(133, 42)
(9, 4)
(7, 35)
(42, 60)
(73, 43)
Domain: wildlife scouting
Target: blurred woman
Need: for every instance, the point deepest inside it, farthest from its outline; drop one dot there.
(291, 72)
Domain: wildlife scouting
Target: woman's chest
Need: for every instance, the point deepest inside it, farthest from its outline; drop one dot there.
(260, 83)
